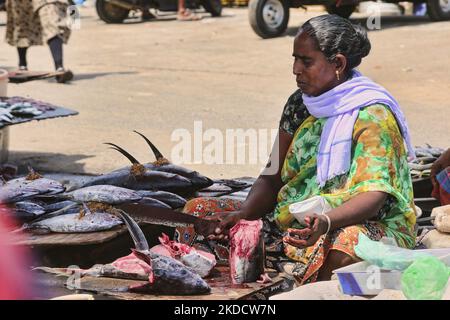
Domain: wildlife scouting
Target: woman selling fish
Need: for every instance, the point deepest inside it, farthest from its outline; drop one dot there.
(343, 137)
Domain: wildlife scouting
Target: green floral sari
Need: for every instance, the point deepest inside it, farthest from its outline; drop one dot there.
(379, 163)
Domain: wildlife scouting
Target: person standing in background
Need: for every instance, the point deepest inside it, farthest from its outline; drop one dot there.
(35, 22)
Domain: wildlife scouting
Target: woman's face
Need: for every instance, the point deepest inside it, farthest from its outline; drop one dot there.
(314, 73)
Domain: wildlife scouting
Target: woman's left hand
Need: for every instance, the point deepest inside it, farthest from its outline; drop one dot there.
(316, 226)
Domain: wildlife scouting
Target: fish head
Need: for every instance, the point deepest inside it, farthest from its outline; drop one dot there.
(54, 187)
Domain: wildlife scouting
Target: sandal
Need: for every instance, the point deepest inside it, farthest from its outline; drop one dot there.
(188, 15)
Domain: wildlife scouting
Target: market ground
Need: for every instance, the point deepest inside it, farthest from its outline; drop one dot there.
(159, 76)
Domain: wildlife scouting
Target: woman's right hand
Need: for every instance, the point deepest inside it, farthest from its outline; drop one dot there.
(227, 220)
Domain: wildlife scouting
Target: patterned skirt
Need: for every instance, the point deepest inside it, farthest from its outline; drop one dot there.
(302, 264)
(34, 22)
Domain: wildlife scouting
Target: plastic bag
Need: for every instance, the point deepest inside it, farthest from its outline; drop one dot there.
(425, 279)
(385, 256)
(316, 204)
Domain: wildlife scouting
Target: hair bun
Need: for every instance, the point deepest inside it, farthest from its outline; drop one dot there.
(364, 42)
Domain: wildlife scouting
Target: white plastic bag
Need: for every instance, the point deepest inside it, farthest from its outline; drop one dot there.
(316, 204)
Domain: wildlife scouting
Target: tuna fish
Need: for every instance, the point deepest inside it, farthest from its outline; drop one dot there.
(164, 275)
(74, 223)
(136, 179)
(199, 261)
(162, 164)
(31, 207)
(28, 187)
(169, 276)
(246, 251)
(72, 208)
(104, 194)
(43, 185)
(13, 193)
(26, 210)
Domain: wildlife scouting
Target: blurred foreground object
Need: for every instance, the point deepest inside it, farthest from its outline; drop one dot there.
(15, 280)
(425, 279)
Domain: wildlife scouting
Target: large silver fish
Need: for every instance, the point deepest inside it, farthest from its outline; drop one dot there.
(73, 223)
(13, 193)
(104, 194)
(26, 210)
(43, 185)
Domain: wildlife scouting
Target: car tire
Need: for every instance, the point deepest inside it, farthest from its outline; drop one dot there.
(342, 11)
(110, 13)
(438, 10)
(213, 6)
(268, 18)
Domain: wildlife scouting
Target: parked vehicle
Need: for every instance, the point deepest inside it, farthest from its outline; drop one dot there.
(116, 11)
(269, 18)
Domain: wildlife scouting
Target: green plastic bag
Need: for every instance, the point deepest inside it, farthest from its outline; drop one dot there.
(385, 256)
(425, 279)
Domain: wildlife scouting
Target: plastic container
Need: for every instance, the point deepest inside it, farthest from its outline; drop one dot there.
(316, 204)
(4, 79)
(362, 278)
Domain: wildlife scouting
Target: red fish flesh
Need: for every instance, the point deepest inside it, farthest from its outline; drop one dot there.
(246, 251)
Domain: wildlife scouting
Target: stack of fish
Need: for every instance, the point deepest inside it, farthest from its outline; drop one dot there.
(39, 105)
(47, 206)
(425, 157)
(22, 110)
(163, 273)
(41, 204)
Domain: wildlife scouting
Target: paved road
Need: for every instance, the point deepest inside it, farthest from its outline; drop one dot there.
(160, 76)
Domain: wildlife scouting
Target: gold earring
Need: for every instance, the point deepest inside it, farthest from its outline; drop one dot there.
(337, 75)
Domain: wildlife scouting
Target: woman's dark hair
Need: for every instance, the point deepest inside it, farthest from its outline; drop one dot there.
(334, 34)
